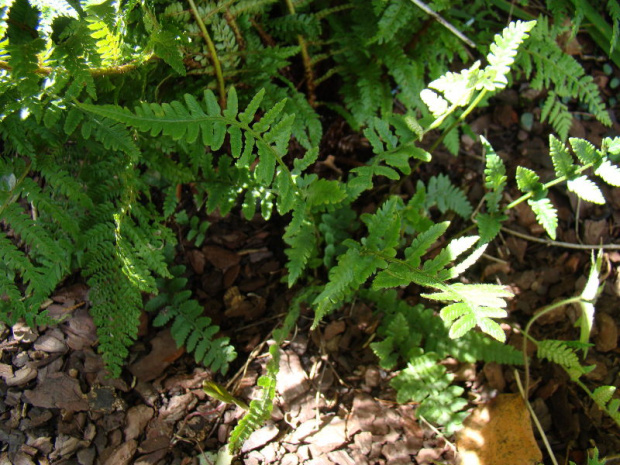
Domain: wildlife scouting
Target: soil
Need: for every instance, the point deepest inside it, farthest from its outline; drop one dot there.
(334, 403)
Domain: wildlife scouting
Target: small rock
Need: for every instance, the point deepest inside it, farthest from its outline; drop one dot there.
(495, 376)
(137, 419)
(332, 435)
(340, 457)
(372, 376)
(289, 459)
(86, 456)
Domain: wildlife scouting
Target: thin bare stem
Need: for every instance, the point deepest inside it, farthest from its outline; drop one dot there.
(427, 9)
(566, 245)
(535, 419)
(526, 332)
(212, 52)
(305, 56)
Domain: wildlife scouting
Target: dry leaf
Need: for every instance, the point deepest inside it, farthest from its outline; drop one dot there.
(498, 432)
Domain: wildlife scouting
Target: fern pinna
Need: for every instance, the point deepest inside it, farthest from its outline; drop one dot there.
(570, 169)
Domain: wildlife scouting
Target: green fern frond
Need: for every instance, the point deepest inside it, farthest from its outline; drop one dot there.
(428, 383)
(489, 226)
(559, 352)
(546, 213)
(502, 54)
(560, 73)
(495, 177)
(446, 196)
(260, 409)
(301, 238)
(558, 115)
(189, 327)
(361, 261)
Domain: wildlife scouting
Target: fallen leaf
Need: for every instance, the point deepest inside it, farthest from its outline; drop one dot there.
(58, 390)
(164, 351)
(498, 432)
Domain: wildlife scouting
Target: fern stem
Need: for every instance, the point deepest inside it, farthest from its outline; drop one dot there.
(567, 245)
(94, 72)
(535, 418)
(546, 186)
(543, 311)
(305, 56)
(458, 121)
(211, 46)
(427, 9)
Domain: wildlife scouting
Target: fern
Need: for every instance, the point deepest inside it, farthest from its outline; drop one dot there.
(559, 352)
(268, 136)
(560, 73)
(442, 193)
(361, 261)
(189, 327)
(260, 409)
(427, 382)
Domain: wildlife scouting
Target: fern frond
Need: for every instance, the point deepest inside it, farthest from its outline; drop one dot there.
(361, 261)
(556, 112)
(446, 196)
(190, 328)
(495, 177)
(260, 409)
(300, 237)
(428, 383)
(559, 352)
(489, 226)
(546, 214)
(502, 54)
(559, 72)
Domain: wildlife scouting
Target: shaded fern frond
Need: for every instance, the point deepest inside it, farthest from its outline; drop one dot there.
(446, 196)
(428, 383)
(260, 409)
(190, 328)
(559, 72)
(265, 140)
(562, 354)
(359, 263)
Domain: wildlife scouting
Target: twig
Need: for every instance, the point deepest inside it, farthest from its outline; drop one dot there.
(444, 23)
(566, 245)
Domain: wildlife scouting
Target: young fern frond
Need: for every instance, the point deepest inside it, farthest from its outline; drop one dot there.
(362, 260)
(454, 90)
(260, 408)
(427, 382)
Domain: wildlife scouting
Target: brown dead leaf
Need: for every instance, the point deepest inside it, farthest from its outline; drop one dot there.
(219, 257)
(164, 352)
(58, 390)
(498, 432)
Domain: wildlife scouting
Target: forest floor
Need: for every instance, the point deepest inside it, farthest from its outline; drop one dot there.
(334, 403)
